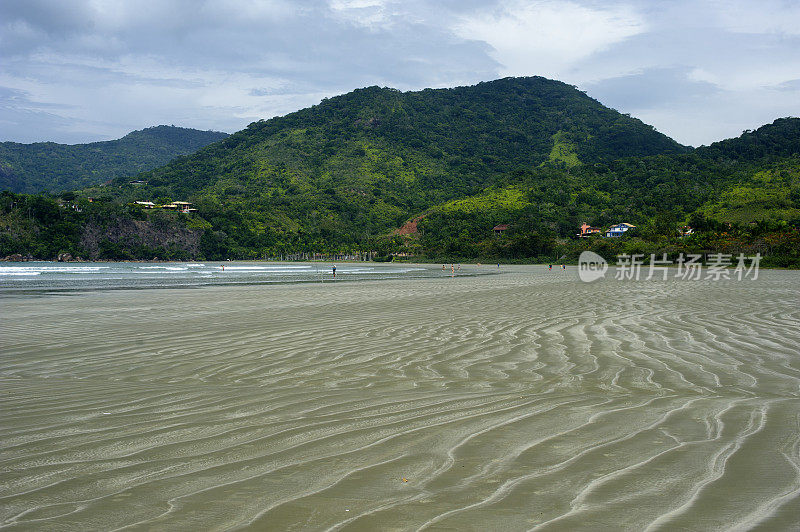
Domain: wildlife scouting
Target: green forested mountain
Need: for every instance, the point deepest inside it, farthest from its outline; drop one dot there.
(47, 166)
(344, 175)
(740, 189)
(357, 165)
(409, 148)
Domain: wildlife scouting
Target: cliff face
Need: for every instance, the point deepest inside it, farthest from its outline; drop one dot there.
(141, 236)
(38, 227)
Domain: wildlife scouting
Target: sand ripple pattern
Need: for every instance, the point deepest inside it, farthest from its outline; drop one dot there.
(526, 400)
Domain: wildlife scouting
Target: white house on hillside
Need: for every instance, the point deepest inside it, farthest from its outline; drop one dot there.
(618, 230)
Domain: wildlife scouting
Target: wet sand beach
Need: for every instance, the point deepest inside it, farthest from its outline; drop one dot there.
(523, 400)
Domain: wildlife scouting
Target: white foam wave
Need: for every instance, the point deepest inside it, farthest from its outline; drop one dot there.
(33, 270)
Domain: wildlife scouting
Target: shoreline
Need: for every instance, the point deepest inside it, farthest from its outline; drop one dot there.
(643, 266)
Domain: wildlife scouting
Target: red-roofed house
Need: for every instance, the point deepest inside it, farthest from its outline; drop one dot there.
(587, 230)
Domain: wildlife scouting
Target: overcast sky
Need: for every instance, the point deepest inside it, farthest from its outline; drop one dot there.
(85, 70)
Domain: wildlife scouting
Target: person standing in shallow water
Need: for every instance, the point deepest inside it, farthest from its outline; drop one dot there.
(334, 271)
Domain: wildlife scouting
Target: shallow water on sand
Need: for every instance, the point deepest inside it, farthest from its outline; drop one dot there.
(517, 401)
(30, 277)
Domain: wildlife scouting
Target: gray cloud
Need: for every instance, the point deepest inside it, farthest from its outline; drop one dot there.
(651, 88)
(17, 108)
(85, 70)
(791, 85)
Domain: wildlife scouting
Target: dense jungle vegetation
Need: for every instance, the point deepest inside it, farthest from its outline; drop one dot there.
(344, 175)
(47, 166)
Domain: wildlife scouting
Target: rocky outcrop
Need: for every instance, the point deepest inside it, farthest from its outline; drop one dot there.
(155, 234)
(16, 257)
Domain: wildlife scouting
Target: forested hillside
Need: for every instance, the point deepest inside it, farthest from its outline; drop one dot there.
(435, 142)
(733, 193)
(358, 165)
(47, 166)
(769, 142)
(534, 154)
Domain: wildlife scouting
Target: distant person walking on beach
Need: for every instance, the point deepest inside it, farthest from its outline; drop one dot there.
(550, 267)
(334, 271)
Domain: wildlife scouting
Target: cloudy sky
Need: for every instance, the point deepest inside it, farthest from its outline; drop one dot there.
(85, 70)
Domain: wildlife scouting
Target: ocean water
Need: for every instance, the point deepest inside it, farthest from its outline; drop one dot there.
(54, 276)
(526, 400)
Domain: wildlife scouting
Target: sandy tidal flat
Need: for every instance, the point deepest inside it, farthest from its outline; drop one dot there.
(525, 400)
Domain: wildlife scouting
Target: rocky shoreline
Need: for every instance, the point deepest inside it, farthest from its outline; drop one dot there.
(67, 257)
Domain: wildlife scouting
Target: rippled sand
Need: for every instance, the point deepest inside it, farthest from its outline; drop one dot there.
(509, 402)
